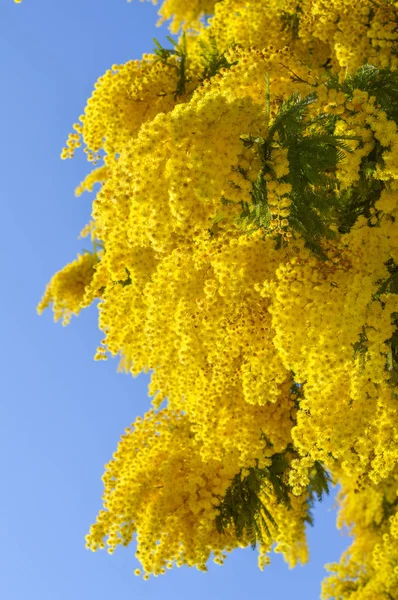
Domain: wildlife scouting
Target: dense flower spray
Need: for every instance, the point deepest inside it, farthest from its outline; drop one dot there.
(246, 255)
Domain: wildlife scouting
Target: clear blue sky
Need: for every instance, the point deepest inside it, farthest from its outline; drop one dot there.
(62, 413)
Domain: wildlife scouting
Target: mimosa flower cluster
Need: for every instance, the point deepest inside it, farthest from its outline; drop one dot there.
(245, 255)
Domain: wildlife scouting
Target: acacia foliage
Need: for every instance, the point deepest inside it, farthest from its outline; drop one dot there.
(245, 253)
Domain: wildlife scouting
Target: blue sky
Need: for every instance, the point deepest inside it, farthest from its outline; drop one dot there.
(62, 413)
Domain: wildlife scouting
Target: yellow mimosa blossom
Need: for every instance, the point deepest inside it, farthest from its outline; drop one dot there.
(246, 256)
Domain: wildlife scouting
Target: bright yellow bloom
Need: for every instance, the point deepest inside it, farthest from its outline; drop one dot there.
(67, 288)
(268, 320)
